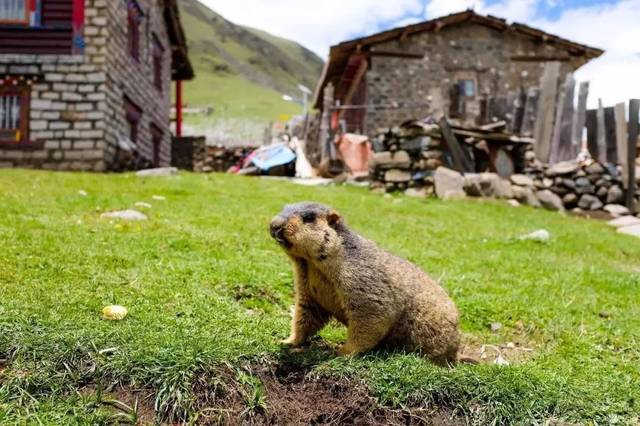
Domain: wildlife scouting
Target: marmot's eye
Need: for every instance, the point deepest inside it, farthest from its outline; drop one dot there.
(309, 217)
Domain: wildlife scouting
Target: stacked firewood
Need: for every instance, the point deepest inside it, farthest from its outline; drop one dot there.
(220, 158)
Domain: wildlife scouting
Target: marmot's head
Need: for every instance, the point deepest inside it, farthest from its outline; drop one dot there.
(307, 230)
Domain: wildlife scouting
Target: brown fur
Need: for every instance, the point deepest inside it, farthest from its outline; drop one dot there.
(383, 300)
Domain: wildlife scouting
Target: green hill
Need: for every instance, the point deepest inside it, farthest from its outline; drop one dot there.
(243, 72)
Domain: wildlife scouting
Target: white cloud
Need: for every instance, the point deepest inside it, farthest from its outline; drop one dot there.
(514, 10)
(317, 24)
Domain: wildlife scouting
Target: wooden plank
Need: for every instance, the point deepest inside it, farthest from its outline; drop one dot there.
(632, 151)
(622, 138)
(518, 111)
(580, 116)
(602, 134)
(592, 132)
(461, 158)
(546, 110)
(530, 112)
(562, 132)
(610, 135)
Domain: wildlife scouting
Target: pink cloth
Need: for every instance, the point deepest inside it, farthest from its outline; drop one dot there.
(356, 152)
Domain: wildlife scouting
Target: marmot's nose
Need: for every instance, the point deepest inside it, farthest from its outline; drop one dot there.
(276, 226)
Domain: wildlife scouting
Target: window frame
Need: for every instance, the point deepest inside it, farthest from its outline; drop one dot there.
(158, 52)
(135, 16)
(29, 7)
(23, 91)
(133, 115)
(156, 140)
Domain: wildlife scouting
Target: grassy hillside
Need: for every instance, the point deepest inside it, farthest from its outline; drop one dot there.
(243, 72)
(209, 296)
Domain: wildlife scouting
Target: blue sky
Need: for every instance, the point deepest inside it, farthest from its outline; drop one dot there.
(613, 25)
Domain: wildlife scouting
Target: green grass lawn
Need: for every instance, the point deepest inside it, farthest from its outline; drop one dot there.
(208, 292)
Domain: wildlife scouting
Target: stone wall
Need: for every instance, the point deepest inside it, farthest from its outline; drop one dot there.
(77, 101)
(134, 79)
(470, 51)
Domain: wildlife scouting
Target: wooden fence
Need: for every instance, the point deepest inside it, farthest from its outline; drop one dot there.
(555, 114)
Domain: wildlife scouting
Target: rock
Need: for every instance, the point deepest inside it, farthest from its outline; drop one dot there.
(513, 203)
(602, 192)
(547, 183)
(550, 201)
(540, 236)
(416, 192)
(129, 215)
(624, 221)
(615, 195)
(529, 155)
(569, 183)
(570, 199)
(143, 205)
(391, 160)
(159, 198)
(496, 326)
(559, 190)
(562, 168)
(589, 189)
(616, 210)
(448, 183)
(83, 193)
(580, 173)
(397, 175)
(594, 168)
(525, 195)
(589, 202)
(634, 231)
(159, 172)
(487, 185)
(521, 180)
(582, 182)
(433, 163)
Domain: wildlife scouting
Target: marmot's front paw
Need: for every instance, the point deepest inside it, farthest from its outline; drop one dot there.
(346, 350)
(292, 341)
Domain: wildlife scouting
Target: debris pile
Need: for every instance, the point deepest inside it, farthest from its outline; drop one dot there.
(221, 159)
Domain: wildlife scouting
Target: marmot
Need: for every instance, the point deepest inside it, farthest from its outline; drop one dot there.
(385, 301)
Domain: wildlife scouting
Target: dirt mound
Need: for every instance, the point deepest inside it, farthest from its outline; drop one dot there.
(287, 395)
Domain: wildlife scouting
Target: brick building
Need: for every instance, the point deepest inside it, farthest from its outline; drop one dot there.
(86, 84)
(444, 66)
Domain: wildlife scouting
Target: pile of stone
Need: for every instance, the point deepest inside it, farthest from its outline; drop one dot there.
(220, 158)
(405, 158)
(587, 186)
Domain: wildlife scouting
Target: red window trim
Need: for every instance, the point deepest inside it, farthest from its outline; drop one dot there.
(134, 20)
(24, 91)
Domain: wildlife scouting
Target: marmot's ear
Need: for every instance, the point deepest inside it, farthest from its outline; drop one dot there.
(333, 217)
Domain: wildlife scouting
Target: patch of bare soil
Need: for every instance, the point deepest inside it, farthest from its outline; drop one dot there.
(291, 396)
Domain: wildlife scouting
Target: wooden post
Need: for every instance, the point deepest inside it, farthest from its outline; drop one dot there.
(592, 133)
(179, 108)
(602, 134)
(518, 111)
(610, 135)
(325, 121)
(632, 151)
(460, 157)
(561, 149)
(580, 117)
(546, 110)
(622, 141)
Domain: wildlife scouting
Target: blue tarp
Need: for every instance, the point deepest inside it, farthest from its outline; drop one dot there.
(267, 157)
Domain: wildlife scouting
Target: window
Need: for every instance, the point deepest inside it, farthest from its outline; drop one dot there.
(14, 113)
(133, 116)
(18, 12)
(467, 88)
(134, 17)
(158, 56)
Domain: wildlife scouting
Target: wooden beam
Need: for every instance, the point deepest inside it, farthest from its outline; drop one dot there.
(393, 54)
(580, 116)
(540, 58)
(461, 158)
(622, 139)
(602, 134)
(592, 133)
(610, 135)
(561, 148)
(633, 130)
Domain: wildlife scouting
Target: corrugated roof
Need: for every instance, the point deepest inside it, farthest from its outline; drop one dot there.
(181, 68)
(340, 53)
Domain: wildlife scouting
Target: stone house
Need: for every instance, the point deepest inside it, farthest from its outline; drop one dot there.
(86, 84)
(443, 66)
